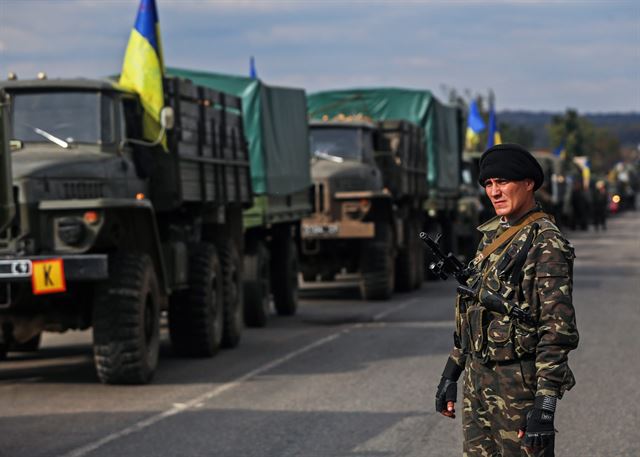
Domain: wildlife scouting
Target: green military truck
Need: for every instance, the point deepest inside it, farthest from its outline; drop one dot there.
(109, 231)
(275, 120)
(369, 188)
(430, 206)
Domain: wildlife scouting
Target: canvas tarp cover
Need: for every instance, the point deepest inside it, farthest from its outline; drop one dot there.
(275, 124)
(441, 123)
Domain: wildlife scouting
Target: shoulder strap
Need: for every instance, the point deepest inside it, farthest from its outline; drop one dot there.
(508, 234)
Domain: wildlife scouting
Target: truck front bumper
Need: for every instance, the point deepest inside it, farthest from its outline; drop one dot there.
(318, 230)
(84, 267)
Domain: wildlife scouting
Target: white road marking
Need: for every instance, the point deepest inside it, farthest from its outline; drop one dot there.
(399, 307)
(178, 408)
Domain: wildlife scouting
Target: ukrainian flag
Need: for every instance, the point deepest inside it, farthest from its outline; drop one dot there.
(143, 67)
(475, 125)
(494, 135)
(560, 151)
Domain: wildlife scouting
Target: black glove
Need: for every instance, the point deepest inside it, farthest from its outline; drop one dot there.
(538, 423)
(448, 387)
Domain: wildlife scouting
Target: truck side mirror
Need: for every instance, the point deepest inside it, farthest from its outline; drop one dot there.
(167, 118)
(167, 122)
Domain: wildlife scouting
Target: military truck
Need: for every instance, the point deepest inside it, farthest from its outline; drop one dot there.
(370, 185)
(111, 230)
(472, 209)
(275, 120)
(441, 133)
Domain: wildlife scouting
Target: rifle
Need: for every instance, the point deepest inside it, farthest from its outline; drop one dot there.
(448, 264)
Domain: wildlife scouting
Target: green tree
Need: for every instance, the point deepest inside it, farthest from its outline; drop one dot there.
(568, 130)
(581, 138)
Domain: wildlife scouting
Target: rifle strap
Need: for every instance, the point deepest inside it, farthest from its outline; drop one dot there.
(508, 234)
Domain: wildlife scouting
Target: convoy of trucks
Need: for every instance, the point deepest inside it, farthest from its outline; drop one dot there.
(228, 212)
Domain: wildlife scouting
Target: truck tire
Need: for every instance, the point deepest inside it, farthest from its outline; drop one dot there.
(284, 273)
(196, 315)
(232, 295)
(378, 266)
(32, 345)
(126, 322)
(257, 286)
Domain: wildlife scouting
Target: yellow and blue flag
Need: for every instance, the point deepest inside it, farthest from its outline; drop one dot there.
(475, 125)
(494, 135)
(143, 66)
(560, 151)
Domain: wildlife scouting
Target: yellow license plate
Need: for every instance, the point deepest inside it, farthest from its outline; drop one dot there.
(48, 277)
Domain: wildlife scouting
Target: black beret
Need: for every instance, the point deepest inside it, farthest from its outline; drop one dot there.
(512, 162)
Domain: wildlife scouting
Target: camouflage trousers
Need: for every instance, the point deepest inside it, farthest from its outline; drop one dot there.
(496, 397)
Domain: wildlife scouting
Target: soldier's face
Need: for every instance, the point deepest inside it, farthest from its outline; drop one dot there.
(510, 199)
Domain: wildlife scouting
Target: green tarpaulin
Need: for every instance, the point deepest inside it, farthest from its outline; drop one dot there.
(275, 123)
(442, 124)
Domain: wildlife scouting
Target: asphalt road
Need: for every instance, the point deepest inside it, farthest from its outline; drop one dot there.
(342, 378)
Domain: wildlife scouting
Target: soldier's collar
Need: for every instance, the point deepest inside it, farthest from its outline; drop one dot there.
(498, 222)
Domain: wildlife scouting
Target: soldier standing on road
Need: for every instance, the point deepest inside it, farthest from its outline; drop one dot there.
(513, 337)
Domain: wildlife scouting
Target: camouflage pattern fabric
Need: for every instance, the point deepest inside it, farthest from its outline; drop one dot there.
(498, 347)
(496, 396)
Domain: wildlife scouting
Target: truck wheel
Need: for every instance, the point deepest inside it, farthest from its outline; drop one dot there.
(257, 286)
(31, 345)
(284, 274)
(195, 315)
(378, 266)
(406, 259)
(232, 295)
(126, 322)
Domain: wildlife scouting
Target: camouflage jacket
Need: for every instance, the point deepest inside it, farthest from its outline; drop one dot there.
(544, 290)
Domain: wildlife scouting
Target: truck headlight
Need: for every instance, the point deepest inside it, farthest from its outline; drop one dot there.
(71, 231)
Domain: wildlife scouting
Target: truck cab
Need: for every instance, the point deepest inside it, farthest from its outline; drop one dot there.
(72, 145)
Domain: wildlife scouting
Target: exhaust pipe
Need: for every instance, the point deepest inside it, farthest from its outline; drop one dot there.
(7, 206)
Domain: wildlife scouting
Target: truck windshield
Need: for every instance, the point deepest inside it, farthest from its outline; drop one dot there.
(344, 143)
(72, 117)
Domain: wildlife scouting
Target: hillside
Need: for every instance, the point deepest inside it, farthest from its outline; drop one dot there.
(626, 126)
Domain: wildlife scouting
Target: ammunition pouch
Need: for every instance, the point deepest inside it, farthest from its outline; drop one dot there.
(498, 339)
(476, 317)
(500, 342)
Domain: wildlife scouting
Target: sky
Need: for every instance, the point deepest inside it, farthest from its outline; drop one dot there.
(534, 55)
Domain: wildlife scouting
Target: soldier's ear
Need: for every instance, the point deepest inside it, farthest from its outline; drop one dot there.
(529, 184)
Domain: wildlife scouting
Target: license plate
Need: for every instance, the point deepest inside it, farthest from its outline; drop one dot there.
(320, 230)
(48, 277)
(15, 268)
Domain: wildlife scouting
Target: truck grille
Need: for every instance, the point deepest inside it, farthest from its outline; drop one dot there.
(83, 189)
